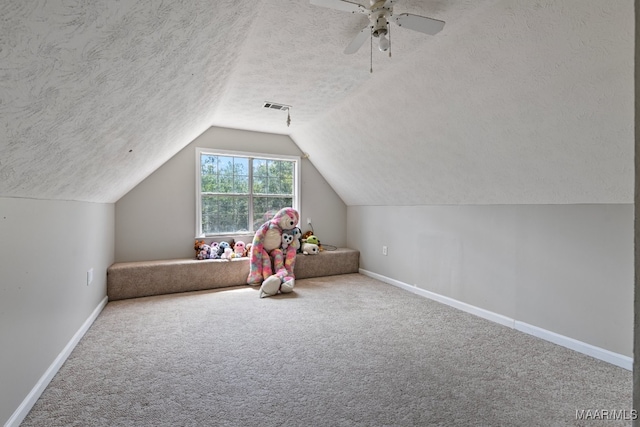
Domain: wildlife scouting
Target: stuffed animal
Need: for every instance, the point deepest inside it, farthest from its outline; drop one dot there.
(287, 238)
(238, 249)
(221, 247)
(271, 266)
(311, 239)
(227, 254)
(215, 246)
(310, 249)
(247, 250)
(297, 239)
(197, 246)
(203, 251)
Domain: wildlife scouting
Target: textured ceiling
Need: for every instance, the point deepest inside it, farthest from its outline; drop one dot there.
(513, 102)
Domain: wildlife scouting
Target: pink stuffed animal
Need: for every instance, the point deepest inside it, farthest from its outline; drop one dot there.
(271, 266)
(238, 249)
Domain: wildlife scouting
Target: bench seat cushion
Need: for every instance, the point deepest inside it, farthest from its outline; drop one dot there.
(147, 278)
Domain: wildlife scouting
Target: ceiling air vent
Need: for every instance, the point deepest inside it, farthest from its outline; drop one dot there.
(274, 106)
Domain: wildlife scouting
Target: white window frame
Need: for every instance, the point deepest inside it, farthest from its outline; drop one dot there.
(215, 152)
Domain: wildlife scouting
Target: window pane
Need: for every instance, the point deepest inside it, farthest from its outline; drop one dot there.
(277, 203)
(261, 213)
(209, 214)
(222, 214)
(287, 169)
(208, 169)
(286, 185)
(280, 179)
(241, 175)
(225, 175)
(274, 186)
(241, 184)
(273, 167)
(209, 164)
(264, 208)
(209, 183)
(259, 184)
(241, 166)
(274, 204)
(239, 216)
(225, 166)
(260, 167)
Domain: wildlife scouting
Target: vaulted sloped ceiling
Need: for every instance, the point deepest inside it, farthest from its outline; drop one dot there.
(513, 102)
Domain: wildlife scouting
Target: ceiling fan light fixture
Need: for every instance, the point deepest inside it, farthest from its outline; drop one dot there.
(383, 44)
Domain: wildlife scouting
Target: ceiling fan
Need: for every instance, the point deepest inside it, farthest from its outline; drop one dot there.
(380, 13)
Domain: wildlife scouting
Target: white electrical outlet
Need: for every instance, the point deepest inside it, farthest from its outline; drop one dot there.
(384, 250)
(89, 276)
(308, 220)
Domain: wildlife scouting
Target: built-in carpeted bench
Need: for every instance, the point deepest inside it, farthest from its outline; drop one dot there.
(147, 278)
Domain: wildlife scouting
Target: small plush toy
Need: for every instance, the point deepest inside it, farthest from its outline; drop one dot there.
(214, 250)
(247, 250)
(297, 239)
(221, 247)
(198, 246)
(311, 239)
(203, 251)
(310, 249)
(238, 249)
(287, 238)
(227, 254)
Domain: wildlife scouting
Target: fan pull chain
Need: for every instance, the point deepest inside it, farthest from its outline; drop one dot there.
(371, 50)
(389, 30)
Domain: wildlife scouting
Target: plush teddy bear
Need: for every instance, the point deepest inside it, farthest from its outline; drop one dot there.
(271, 266)
(310, 249)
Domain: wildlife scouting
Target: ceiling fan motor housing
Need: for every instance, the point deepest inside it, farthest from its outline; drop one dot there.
(379, 22)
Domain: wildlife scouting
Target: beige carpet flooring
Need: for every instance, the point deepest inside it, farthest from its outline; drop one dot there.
(340, 351)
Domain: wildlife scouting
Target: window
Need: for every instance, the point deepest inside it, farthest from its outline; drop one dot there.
(237, 192)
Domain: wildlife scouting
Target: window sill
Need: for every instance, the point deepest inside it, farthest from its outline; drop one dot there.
(228, 236)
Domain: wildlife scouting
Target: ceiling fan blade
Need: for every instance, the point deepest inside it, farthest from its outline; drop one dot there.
(358, 41)
(418, 23)
(343, 5)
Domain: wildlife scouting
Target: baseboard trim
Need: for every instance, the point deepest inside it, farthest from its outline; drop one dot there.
(616, 359)
(480, 312)
(31, 399)
(620, 360)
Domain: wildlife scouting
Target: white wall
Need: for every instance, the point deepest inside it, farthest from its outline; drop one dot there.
(47, 248)
(156, 219)
(564, 268)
